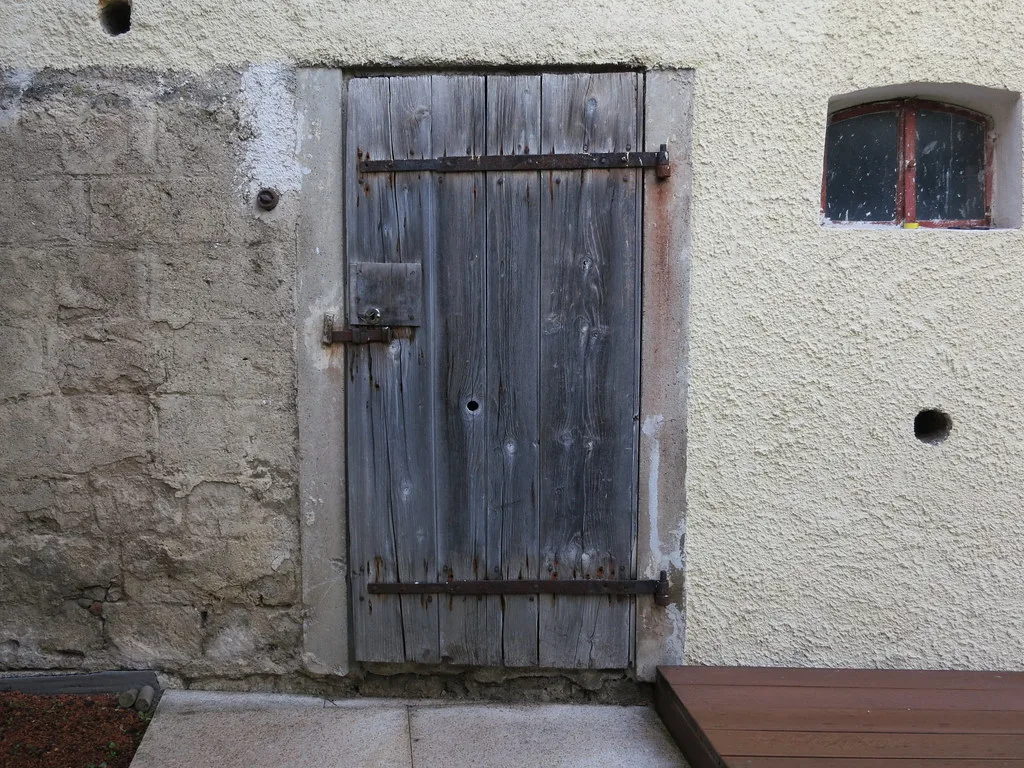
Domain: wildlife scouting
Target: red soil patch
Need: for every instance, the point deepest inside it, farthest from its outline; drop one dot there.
(67, 731)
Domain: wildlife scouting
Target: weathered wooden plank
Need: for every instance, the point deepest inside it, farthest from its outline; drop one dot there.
(513, 333)
(469, 627)
(410, 425)
(371, 236)
(589, 400)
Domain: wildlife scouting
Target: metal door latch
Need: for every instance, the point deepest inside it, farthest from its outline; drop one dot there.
(357, 335)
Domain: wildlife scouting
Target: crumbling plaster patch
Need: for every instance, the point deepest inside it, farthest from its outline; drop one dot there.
(148, 511)
(268, 112)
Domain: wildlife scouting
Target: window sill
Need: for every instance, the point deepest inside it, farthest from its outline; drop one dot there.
(885, 225)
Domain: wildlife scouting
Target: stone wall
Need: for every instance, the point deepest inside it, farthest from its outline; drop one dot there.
(148, 510)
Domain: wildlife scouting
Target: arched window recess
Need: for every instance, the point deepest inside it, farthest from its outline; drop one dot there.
(909, 162)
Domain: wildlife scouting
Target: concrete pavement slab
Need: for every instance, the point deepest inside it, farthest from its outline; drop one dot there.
(218, 730)
(549, 735)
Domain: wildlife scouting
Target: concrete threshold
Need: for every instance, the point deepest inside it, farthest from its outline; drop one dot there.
(250, 730)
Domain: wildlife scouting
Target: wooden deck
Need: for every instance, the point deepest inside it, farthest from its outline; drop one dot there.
(746, 717)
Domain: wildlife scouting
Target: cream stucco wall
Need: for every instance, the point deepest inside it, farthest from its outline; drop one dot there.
(819, 530)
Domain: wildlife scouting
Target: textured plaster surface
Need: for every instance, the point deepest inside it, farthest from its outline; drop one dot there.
(818, 530)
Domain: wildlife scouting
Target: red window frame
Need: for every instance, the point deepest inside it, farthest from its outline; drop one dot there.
(906, 159)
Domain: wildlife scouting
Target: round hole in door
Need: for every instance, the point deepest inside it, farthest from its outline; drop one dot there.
(472, 406)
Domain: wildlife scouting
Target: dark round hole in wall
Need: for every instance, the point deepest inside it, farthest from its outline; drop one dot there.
(116, 16)
(267, 199)
(472, 405)
(932, 426)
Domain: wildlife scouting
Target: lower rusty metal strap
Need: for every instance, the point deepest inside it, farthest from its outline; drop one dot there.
(656, 587)
(598, 160)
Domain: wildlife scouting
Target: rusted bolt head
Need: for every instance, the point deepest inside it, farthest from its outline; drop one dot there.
(267, 199)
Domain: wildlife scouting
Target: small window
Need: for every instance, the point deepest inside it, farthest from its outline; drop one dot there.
(908, 161)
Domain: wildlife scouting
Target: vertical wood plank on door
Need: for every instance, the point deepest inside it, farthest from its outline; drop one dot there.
(409, 431)
(513, 326)
(371, 235)
(469, 627)
(589, 380)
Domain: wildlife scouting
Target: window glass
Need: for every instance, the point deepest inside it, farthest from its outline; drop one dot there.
(861, 168)
(950, 167)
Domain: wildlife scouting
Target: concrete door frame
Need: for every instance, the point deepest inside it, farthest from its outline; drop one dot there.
(319, 288)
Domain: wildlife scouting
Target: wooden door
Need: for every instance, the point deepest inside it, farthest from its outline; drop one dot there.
(495, 438)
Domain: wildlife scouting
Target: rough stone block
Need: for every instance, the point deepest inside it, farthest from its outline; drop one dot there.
(104, 429)
(33, 432)
(52, 568)
(123, 499)
(72, 434)
(165, 210)
(152, 634)
(41, 210)
(228, 510)
(49, 637)
(110, 356)
(197, 138)
(27, 284)
(196, 569)
(100, 281)
(204, 510)
(251, 641)
(30, 145)
(24, 368)
(210, 438)
(103, 141)
(251, 360)
(221, 282)
(44, 506)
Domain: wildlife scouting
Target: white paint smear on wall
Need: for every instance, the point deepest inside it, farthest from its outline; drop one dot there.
(268, 113)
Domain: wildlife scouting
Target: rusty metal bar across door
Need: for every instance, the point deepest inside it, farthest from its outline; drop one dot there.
(555, 162)
(656, 587)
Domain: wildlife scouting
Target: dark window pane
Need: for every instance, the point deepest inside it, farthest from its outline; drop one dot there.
(950, 167)
(860, 169)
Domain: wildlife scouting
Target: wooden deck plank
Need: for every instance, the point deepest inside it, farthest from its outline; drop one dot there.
(807, 718)
(860, 720)
(873, 745)
(793, 697)
(683, 728)
(865, 762)
(847, 678)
